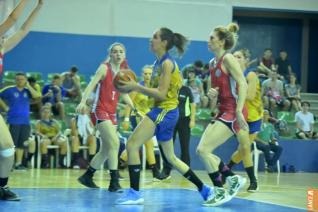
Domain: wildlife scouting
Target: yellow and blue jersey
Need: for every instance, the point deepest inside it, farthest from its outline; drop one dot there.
(171, 101)
(255, 106)
(143, 103)
(49, 128)
(165, 113)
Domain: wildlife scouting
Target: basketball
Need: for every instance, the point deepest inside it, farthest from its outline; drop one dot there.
(124, 75)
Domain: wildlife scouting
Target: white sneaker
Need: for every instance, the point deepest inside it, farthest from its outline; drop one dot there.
(220, 197)
(235, 183)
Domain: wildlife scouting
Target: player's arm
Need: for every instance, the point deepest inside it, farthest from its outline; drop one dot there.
(99, 75)
(128, 101)
(12, 41)
(128, 108)
(251, 85)
(159, 93)
(13, 16)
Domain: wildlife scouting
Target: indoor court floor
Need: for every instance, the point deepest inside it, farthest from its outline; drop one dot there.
(58, 190)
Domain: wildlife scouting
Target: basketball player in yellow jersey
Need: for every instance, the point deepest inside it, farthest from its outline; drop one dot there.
(142, 104)
(255, 112)
(161, 120)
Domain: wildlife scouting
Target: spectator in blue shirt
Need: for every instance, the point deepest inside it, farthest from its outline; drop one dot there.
(15, 100)
(52, 95)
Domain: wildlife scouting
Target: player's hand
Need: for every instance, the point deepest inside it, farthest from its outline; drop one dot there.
(81, 108)
(241, 121)
(127, 86)
(213, 93)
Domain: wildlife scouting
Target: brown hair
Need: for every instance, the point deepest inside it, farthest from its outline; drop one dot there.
(228, 34)
(174, 39)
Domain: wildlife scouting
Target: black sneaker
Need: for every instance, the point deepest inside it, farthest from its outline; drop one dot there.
(270, 169)
(87, 181)
(20, 167)
(7, 195)
(160, 176)
(114, 186)
(253, 187)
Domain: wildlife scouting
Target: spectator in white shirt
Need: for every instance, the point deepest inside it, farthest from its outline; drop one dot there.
(305, 123)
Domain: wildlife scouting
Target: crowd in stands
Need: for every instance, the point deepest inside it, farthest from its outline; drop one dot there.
(52, 109)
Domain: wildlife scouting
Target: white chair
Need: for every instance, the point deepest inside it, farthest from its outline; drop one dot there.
(39, 155)
(256, 154)
(156, 149)
(85, 148)
(56, 148)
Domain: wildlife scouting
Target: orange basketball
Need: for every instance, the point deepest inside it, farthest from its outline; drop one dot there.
(124, 75)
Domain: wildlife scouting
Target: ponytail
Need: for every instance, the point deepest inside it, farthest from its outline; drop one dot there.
(174, 39)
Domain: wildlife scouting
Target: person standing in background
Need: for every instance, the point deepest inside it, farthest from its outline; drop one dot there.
(186, 121)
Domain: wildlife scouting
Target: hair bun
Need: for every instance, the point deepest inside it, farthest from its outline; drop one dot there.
(233, 27)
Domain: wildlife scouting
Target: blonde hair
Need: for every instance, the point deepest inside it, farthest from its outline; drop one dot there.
(147, 67)
(228, 34)
(110, 49)
(246, 53)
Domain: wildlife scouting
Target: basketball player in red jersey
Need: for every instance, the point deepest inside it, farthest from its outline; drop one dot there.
(6, 142)
(104, 115)
(229, 89)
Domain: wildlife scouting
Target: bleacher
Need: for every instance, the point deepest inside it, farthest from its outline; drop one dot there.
(202, 115)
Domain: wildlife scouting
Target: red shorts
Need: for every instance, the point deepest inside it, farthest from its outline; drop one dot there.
(103, 116)
(229, 119)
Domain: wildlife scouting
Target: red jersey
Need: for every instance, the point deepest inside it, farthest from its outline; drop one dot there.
(228, 93)
(227, 86)
(106, 95)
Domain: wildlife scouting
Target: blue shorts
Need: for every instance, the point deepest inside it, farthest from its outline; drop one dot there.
(134, 121)
(165, 121)
(255, 126)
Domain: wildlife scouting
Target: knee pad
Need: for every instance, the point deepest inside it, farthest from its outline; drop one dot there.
(7, 152)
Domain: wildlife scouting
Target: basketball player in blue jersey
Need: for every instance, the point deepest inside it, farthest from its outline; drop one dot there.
(161, 120)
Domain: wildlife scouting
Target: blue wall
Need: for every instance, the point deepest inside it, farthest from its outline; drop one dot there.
(56, 52)
(301, 154)
(256, 34)
(313, 55)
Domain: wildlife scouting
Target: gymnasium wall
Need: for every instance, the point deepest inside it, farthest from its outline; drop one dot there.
(257, 33)
(299, 153)
(313, 55)
(79, 31)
